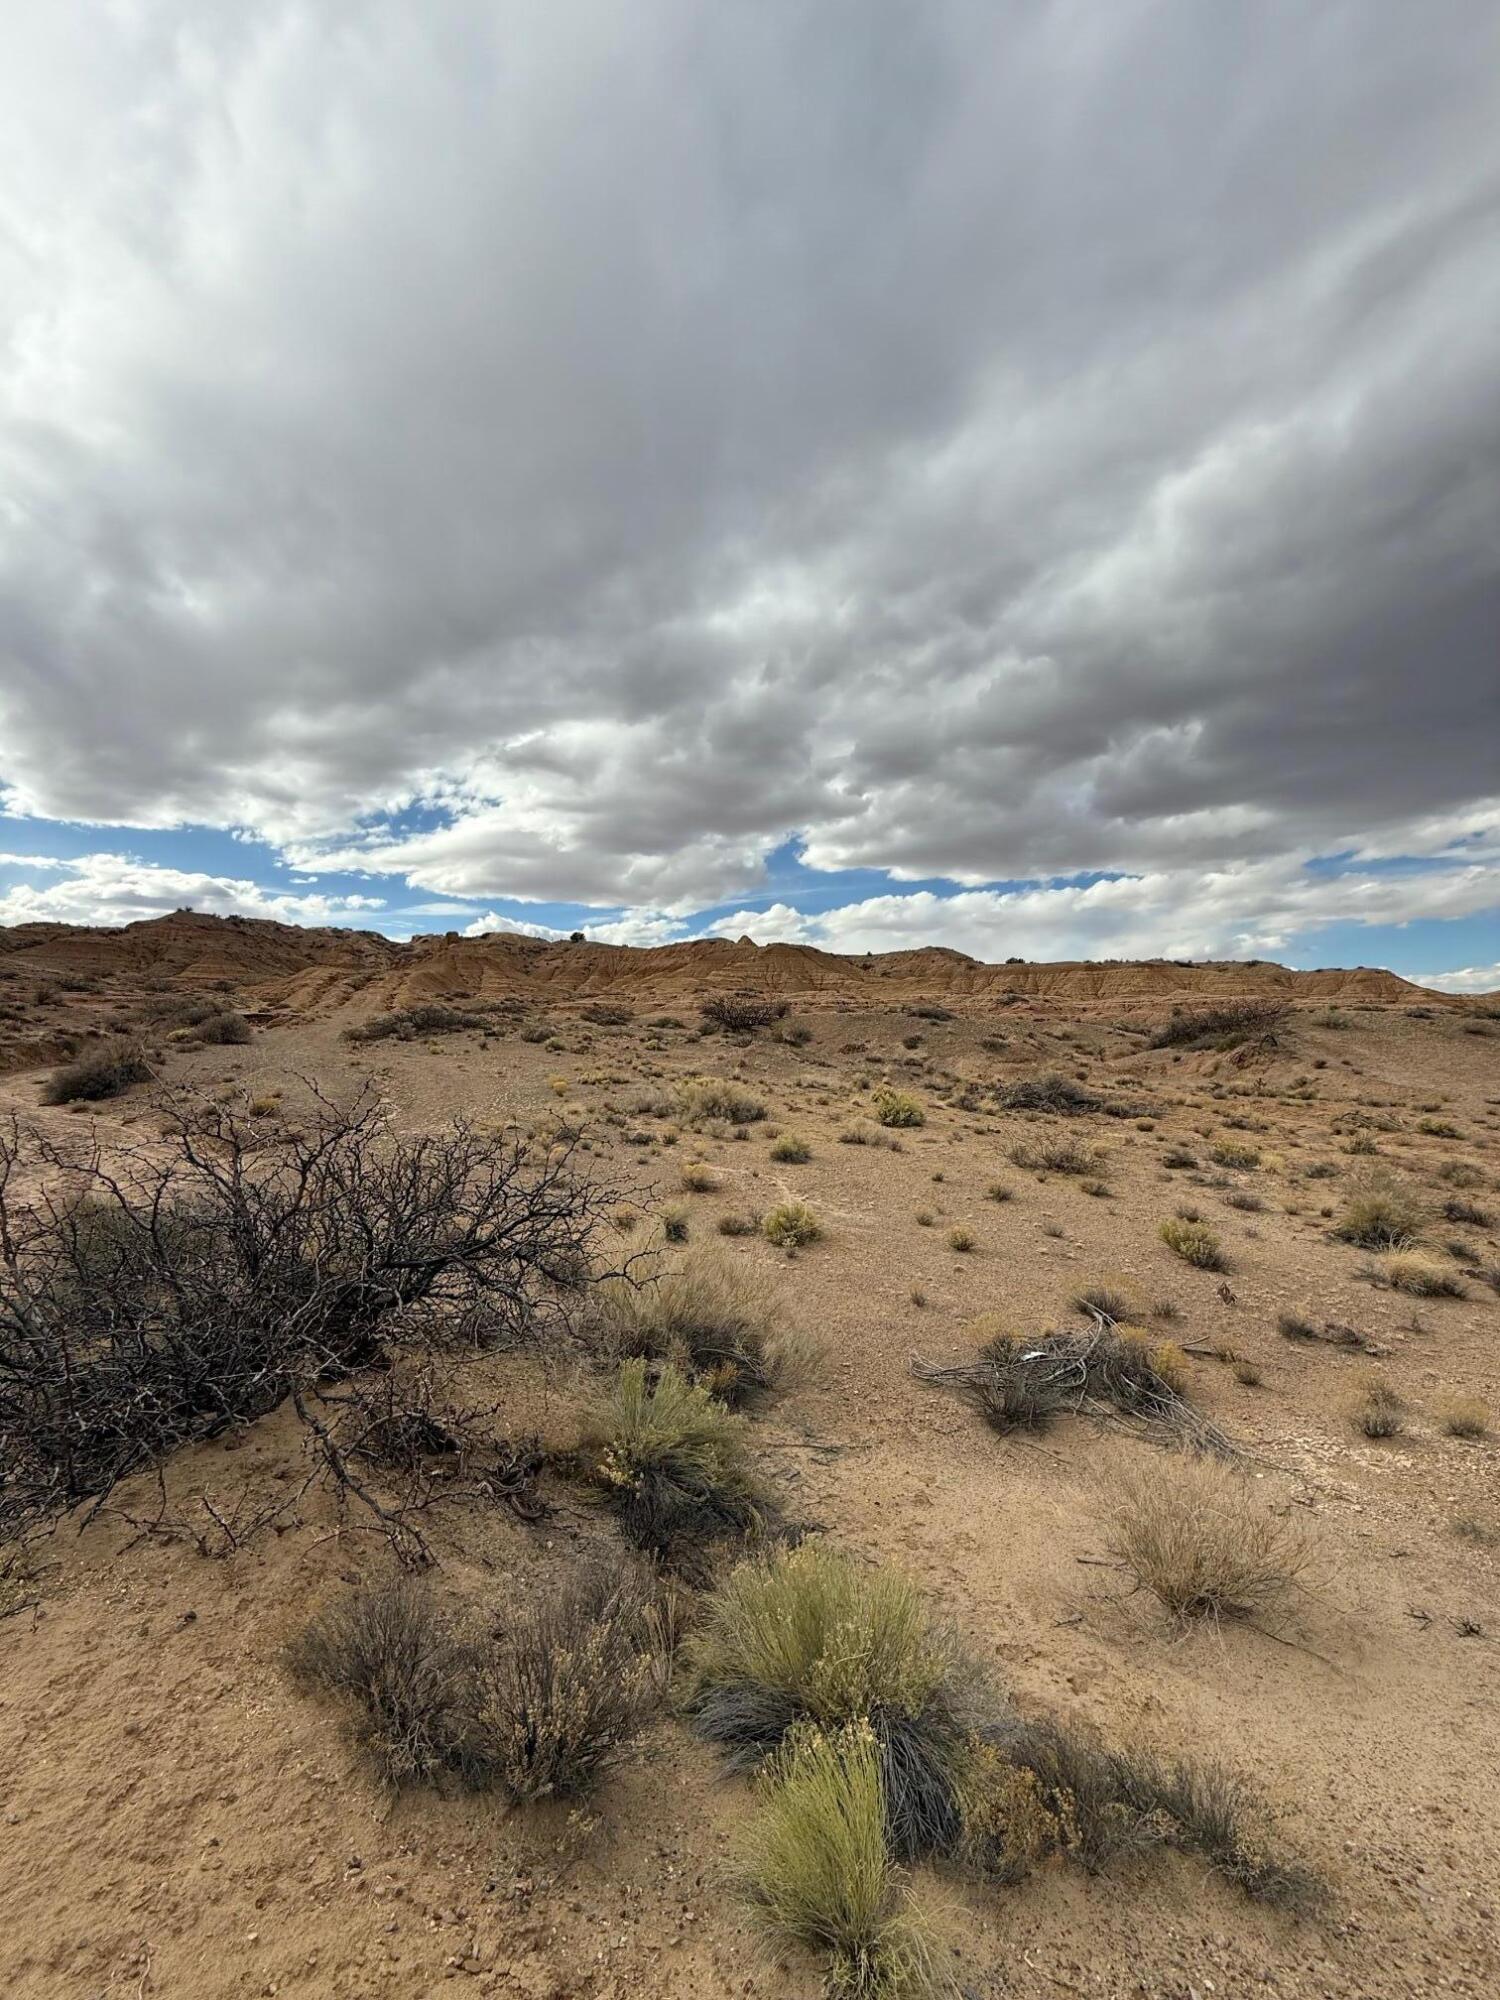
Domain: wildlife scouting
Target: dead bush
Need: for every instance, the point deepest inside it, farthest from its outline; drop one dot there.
(742, 1013)
(1227, 1027)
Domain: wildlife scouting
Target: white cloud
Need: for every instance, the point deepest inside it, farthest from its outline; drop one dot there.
(114, 889)
(644, 437)
(1470, 979)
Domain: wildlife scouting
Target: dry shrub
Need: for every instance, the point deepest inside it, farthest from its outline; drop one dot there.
(791, 1225)
(1225, 1027)
(409, 1668)
(742, 1013)
(1235, 1153)
(862, 1134)
(811, 1636)
(226, 1029)
(1422, 1276)
(1464, 1416)
(568, 1688)
(102, 1072)
(405, 1024)
(705, 1100)
(712, 1317)
(791, 1151)
(1196, 1534)
(814, 1865)
(697, 1177)
(1380, 1214)
(1378, 1410)
(1057, 1156)
(672, 1461)
(1195, 1243)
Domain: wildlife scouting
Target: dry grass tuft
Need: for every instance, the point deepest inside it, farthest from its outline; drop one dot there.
(1196, 1534)
(1380, 1214)
(1464, 1416)
(1422, 1276)
(708, 1100)
(1057, 1156)
(1377, 1410)
(791, 1225)
(898, 1108)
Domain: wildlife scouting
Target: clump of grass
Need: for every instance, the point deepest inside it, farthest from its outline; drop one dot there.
(791, 1225)
(862, 1134)
(101, 1073)
(816, 1870)
(1111, 1302)
(738, 1225)
(791, 1151)
(675, 1221)
(408, 1668)
(1380, 1214)
(704, 1100)
(672, 1460)
(710, 1316)
(813, 1637)
(1378, 1411)
(999, 1191)
(568, 1689)
(961, 1239)
(1056, 1156)
(1423, 1277)
(1235, 1153)
(1464, 1416)
(1195, 1243)
(1296, 1326)
(1456, 1209)
(1194, 1533)
(898, 1108)
(697, 1177)
(1178, 1156)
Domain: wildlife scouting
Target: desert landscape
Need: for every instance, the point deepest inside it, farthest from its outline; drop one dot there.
(1053, 1400)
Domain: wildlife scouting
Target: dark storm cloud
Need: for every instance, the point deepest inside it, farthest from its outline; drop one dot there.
(988, 442)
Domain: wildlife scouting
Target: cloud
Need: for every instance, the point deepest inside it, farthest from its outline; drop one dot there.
(635, 927)
(113, 889)
(1248, 910)
(564, 453)
(1471, 979)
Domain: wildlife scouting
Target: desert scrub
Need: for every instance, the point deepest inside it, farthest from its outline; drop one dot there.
(698, 1177)
(1197, 1535)
(703, 1100)
(813, 1637)
(1377, 1410)
(898, 1108)
(1380, 1214)
(714, 1318)
(1423, 1277)
(791, 1225)
(961, 1239)
(103, 1072)
(1195, 1243)
(407, 1668)
(672, 1461)
(791, 1151)
(568, 1688)
(815, 1869)
(1056, 1156)
(1464, 1416)
(1235, 1153)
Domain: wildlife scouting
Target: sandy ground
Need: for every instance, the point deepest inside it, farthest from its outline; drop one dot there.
(179, 1820)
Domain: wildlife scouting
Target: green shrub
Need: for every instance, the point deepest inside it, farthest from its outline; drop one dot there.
(672, 1461)
(898, 1108)
(1195, 1243)
(812, 1636)
(791, 1225)
(815, 1868)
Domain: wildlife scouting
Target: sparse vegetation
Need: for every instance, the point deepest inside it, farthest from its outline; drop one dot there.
(715, 1318)
(742, 1013)
(1380, 1214)
(791, 1151)
(1056, 1156)
(1377, 1411)
(1464, 1416)
(713, 1100)
(409, 1024)
(1422, 1276)
(1226, 1027)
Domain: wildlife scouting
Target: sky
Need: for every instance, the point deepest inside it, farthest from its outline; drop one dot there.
(1018, 477)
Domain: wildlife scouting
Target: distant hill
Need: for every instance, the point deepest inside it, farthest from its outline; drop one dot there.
(322, 970)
